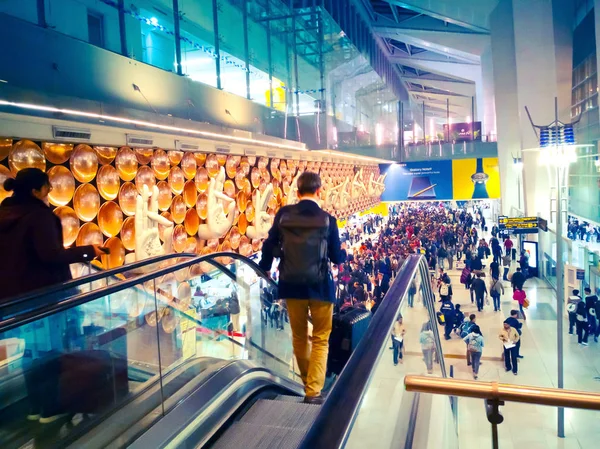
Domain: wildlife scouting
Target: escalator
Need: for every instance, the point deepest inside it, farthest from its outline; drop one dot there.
(195, 377)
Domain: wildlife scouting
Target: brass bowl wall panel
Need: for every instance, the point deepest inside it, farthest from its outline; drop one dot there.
(191, 222)
(202, 206)
(262, 163)
(188, 165)
(126, 163)
(212, 244)
(176, 180)
(184, 295)
(200, 159)
(241, 201)
(116, 258)
(191, 245)
(161, 165)
(246, 187)
(63, 186)
(212, 165)
(26, 154)
(128, 233)
(86, 202)
(226, 248)
(265, 175)
(229, 188)
(144, 155)
(245, 166)
(89, 234)
(175, 157)
(5, 147)
(4, 175)
(84, 163)
(221, 159)
(190, 194)
(249, 211)
(231, 166)
(202, 180)
(245, 246)
(57, 153)
(234, 238)
(70, 224)
(145, 177)
(105, 154)
(255, 177)
(108, 182)
(252, 160)
(110, 219)
(256, 245)
(178, 209)
(165, 196)
(127, 198)
(242, 224)
(179, 238)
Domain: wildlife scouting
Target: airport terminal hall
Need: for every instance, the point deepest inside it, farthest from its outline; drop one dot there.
(299, 224)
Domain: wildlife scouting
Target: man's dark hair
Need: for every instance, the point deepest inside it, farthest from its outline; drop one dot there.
(519, 269)
(587, 290)
(308, 183)
(576, 292)
(472, 316)
(514, 312)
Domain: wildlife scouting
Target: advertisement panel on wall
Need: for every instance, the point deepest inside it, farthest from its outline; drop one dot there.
(459, 179)
(475, 178)
(413, 181)
(463, 132)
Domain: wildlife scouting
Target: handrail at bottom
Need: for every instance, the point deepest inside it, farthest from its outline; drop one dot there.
(504, 392)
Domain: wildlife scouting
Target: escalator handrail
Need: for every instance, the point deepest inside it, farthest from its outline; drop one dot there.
(336, 417)
(82, 298)
(91, 278)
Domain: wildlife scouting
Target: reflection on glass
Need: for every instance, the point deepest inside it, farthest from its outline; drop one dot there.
(106, 154)
(116, 258)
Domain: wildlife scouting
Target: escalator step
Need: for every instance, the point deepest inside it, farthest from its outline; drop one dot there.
(284, 398)
(287, 414)
(252, 436)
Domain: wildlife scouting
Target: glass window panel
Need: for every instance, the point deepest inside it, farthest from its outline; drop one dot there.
(91, 21)
(198, 57)
(23, 9)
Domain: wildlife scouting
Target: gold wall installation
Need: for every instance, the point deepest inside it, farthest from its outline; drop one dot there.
(63, 185)
(95, 191)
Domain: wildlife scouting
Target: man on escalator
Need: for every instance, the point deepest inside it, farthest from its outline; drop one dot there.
(306, 239)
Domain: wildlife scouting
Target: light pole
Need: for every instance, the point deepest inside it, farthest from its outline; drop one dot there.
(557, 147)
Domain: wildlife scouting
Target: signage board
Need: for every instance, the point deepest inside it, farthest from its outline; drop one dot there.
(463, 132)
(519, 225)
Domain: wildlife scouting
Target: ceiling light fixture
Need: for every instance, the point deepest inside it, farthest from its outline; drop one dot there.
(112, 118)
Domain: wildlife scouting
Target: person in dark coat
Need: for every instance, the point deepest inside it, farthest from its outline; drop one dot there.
(31, 238)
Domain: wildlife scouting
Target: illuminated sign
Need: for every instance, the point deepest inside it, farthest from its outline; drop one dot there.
(522, 225)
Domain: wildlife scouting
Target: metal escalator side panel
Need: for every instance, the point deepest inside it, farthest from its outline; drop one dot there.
(202, 414)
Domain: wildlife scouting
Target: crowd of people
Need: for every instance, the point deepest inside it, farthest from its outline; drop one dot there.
(448, 238)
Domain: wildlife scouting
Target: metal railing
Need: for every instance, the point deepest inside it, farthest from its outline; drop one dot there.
(334, 422)
(496, 394)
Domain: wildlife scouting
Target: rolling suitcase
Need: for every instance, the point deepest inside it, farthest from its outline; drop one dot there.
(347, 330)
(441, 319)
(92, 381)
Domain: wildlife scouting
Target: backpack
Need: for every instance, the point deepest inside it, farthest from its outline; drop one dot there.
(465, 328)
(465, 275)
(304, 246)
(444, 290)
(472, 346)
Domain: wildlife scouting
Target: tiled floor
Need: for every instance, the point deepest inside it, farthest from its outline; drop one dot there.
(525, 426)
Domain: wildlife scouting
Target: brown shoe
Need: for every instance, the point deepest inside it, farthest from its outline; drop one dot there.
(316, 400)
